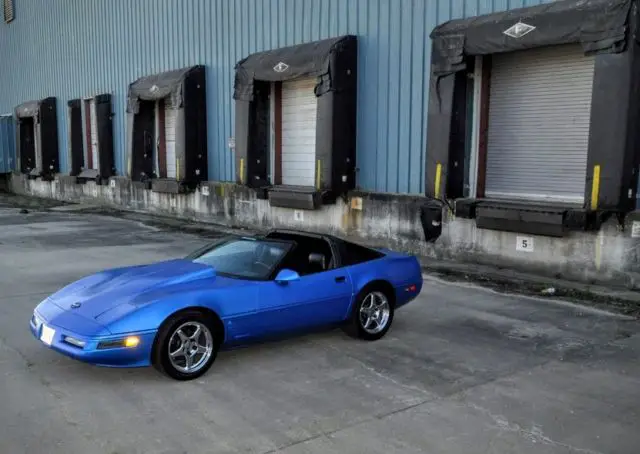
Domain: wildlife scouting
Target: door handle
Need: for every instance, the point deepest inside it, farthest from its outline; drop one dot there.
(341, 279)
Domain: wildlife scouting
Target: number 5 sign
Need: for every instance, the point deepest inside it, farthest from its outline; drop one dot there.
(524, 244)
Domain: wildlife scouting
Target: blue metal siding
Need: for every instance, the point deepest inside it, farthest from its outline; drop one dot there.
(74, 48)
(7, 144)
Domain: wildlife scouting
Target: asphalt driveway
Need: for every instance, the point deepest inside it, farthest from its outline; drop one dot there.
(463, 370)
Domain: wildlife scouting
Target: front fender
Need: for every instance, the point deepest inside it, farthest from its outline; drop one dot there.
(226, 303)
(128, 318)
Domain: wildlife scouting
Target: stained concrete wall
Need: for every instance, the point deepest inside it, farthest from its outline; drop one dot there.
(610, 255)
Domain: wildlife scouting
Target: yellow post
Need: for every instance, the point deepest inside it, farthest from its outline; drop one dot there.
(438, 177)
(598, 250)
(241, 170)
(177, 168)
(318, 174)
(595, 187)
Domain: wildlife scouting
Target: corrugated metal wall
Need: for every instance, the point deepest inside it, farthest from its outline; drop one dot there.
(74, 48)
(7, 144)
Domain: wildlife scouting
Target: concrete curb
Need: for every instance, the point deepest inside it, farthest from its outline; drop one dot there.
(619, 300)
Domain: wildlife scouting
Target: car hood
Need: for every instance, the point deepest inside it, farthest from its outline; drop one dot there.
(100, 292)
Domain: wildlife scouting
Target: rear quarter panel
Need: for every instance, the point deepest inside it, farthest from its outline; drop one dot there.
(399, 270)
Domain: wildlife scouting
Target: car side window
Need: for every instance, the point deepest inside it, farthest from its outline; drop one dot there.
(245, 258)
(310, 256)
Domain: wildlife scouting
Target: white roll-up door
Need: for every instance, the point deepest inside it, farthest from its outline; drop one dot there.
(299, 107)
(170, 136)
(539, 117)
(93, 118)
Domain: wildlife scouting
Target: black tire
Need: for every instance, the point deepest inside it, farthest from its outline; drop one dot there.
(160, 355)
(355, 327)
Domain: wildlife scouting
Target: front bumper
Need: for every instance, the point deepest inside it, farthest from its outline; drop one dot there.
(138, 356)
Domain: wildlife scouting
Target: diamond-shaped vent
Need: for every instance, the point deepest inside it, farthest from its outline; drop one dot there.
(281, 67)
(519, 30)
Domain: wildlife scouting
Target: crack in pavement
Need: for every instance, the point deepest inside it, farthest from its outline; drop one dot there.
(535, 435)
(4, 344)
(30, 367)
(328, 434)
(431, 398)
(58, 395)
(378, 373)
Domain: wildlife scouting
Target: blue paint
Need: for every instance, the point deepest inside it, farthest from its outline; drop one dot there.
(85, 47)
(234, 280)
(7, 144)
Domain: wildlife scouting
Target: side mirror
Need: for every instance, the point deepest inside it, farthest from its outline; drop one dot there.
(285, 276)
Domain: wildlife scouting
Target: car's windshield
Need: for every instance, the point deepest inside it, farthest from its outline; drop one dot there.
(244, 258)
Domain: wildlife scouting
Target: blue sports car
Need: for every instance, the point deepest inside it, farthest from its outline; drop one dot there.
(176, 315)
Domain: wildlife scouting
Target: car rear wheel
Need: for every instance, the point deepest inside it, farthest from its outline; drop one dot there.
(186, 346)
(372, 315)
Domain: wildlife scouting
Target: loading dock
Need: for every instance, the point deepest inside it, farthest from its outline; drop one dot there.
(296, 122)
(91, 138)
(37, 137)
(166, 130)
(548, 124)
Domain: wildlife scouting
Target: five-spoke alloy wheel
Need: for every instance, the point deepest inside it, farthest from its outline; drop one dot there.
(375, 312)
(186, 346)
(190, 347)
(372, 315)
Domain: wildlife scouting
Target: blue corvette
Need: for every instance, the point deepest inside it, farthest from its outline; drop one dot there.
(176, 315)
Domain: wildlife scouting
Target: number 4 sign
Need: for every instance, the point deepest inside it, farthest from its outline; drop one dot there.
(524, 243)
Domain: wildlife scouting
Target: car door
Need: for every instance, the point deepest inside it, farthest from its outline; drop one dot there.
(312, 300)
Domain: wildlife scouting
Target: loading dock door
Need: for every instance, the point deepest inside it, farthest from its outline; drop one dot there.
(170, 137)
(299, 107)
(539, 117)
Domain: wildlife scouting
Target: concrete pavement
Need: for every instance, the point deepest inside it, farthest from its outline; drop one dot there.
(463, 370)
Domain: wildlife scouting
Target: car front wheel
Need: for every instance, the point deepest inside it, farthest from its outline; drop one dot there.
(372, 315)
(186, 346)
